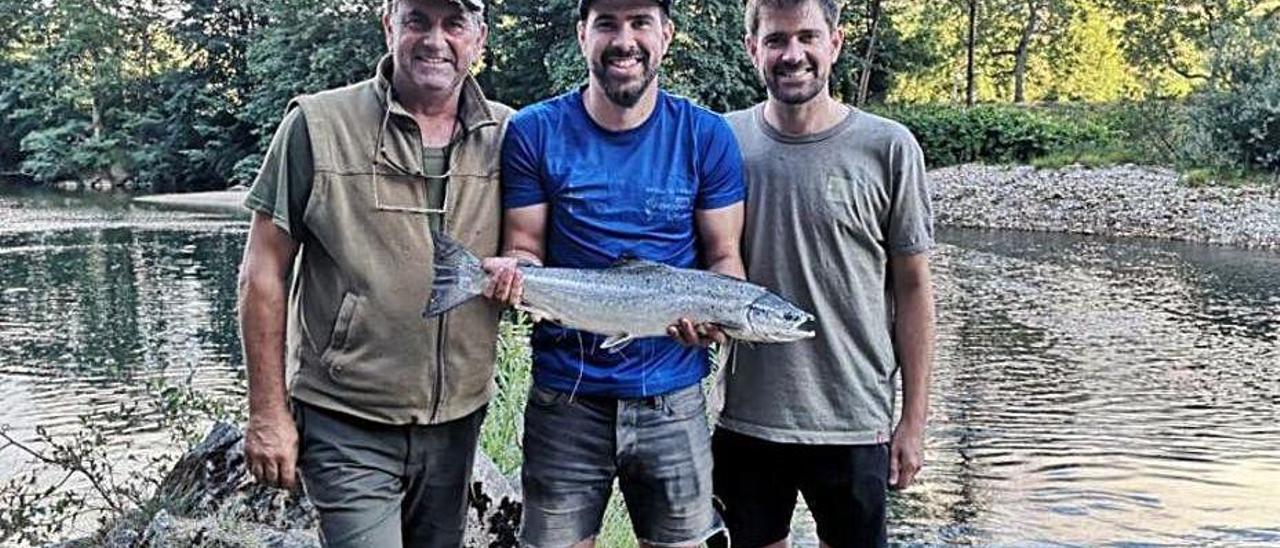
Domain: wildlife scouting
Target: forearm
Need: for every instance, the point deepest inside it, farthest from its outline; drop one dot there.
(523, 255)
(913, 338)
(729, 264)
(263, 307)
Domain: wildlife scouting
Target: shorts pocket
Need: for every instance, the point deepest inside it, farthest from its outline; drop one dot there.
(685, 402)
(544, 397)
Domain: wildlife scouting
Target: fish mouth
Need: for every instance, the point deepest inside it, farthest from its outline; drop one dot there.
(806, 329)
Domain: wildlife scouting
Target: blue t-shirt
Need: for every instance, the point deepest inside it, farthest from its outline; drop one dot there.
(613, 196)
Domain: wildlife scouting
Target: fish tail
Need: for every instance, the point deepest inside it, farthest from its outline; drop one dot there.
(459, 276)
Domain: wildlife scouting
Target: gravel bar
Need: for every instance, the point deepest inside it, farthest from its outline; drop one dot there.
(1126, 201)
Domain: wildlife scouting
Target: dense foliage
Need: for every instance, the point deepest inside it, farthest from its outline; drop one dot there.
(185, 94)
(1236, 121)
(996, 133)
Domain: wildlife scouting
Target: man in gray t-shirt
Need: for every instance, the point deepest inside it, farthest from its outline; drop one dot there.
(838, 221)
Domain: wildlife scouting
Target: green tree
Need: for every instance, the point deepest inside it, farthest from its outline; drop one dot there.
(1176, 35)
(90, 65)
(876, 52)
(305, 46)
(191, 137)
(534, 53)
(533, 50)
(1236, 117)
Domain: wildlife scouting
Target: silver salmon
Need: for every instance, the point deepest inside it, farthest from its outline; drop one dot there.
(629, 300)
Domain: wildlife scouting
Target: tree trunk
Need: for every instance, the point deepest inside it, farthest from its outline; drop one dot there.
(873, 33)
(970, 44)
(1021, 54)
(96, 116)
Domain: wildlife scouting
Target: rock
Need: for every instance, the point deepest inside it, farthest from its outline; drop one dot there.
(212, 500)
(158, 530)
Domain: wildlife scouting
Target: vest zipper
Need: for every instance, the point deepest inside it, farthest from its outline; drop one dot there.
(444, 319)
(439, 388)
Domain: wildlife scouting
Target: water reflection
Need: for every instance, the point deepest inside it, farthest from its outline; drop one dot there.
(101, 299)
(1087, 391)
(1093, 391)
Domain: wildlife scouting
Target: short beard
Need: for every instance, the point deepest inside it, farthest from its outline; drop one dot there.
(617, 93)
(804, 96)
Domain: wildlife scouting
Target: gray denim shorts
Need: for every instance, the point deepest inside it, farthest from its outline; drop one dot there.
(658, 448)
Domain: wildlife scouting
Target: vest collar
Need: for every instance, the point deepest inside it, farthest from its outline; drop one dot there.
(473, 108)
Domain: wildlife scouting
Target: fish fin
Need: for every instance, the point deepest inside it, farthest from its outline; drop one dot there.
(638, 264)
(536, 314)
(458, 276)
(615, 343)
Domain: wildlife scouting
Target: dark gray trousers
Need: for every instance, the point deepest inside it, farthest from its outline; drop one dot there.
(386, 485)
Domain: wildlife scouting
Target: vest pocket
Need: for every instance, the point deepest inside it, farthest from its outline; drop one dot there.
(402, 193)
(341, 330)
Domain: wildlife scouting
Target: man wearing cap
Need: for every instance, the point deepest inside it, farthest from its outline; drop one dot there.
(617, 170)
(385, 407)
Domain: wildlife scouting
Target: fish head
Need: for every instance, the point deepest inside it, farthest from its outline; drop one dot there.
(771, 318)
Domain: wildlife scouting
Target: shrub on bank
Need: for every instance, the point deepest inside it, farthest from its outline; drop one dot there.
(1236, 118)
(997, 134)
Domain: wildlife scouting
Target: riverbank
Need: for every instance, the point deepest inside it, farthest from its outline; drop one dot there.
(217, 201)
(1123, 201)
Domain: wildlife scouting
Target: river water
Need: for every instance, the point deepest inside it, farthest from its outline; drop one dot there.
(1087, 391)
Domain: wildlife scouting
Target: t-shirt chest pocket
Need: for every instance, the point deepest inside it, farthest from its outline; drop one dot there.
(853, 201)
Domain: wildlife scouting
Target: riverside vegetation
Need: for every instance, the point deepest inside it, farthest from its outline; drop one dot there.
(179, 95)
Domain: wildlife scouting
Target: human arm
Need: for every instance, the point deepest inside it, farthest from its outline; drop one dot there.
(720, 235)
(271, 439)
(913, 333)
(523, 231)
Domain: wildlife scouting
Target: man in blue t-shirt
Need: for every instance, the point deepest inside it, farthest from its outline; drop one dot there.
(619, 169)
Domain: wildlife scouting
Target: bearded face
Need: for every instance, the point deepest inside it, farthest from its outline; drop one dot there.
(624, 74)
(624, 42)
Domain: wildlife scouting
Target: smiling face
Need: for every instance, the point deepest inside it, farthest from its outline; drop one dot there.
(793, 49)
(432, 43)
(624, 42)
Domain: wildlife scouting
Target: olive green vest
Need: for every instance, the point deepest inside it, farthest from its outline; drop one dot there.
(357, 342)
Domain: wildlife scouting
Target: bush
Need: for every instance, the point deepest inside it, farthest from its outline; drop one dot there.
(1236, 118)
(996, 133)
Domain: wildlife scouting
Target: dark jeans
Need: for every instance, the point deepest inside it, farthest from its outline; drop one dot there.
(386, 485)
(845, 486)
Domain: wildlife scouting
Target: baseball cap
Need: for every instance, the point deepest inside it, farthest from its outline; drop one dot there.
(584, 5)
(473, 5)
(466, 5)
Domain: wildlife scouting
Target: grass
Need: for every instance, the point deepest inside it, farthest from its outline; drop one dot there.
(1094, 158)
(502, 431)
(1230, 178)
(1195, 177)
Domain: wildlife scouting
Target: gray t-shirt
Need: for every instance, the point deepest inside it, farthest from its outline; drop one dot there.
(825, 212)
